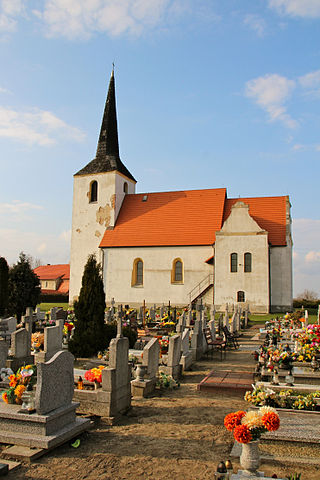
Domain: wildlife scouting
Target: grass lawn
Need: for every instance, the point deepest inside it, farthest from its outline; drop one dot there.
(263, 318)
(44, 307)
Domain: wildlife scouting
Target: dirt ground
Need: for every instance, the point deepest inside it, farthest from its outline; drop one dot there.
(176, 434)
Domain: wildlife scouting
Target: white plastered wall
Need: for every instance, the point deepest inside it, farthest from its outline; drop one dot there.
(241, 234)
(157, 261)
(90, 220)
(281, 272)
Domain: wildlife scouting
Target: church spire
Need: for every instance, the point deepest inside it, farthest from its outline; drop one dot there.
(108, 140)
(107, 155)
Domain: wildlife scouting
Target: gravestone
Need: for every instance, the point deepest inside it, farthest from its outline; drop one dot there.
(112, 307)
(20, 349)
(173, 366)
(3, 352)
(11, 323)
(197, 346)
(116, 379)
(54, 421)
(52, 344)
(40, 315)
(53, 313)
(186, 355)
(246, 318)
(231, 326)
(143, 388)
(226, 318)
(212, 327)
(238, 321)
(181, 323)
(55, 383)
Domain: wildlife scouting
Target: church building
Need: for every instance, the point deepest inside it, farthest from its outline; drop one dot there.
(177, 246)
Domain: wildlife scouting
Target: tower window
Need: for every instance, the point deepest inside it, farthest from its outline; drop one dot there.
(240, 296)
(247, 262)
(177, 271)
(137, 273)
(94, 191)
(125, 187)
(233, 262)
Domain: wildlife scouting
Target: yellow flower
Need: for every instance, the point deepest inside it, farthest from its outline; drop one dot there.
(19, 390)
(266, 409)
(252, 419)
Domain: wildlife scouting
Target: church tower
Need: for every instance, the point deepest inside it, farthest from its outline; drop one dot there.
(98, 191)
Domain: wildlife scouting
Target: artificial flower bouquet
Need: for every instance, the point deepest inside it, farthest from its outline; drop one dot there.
(249, 426)
(37, 341)
(94, 374)
(18, 383)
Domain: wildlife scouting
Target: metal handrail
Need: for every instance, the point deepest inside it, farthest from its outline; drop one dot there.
(198, 289)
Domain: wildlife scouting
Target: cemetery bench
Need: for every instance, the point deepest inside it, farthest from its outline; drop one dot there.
(230, 338)
(214, 344)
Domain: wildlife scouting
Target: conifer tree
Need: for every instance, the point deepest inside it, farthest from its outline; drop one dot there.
(4, 277)
(24, 287)
(89, 335)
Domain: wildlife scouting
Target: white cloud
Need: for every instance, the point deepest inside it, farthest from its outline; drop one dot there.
(18, 207)
(270, 93)
(311, 82)
(256, 23)
(53, 248)
(9, 9)
(81, 18)
(297, 8)
(35, 127)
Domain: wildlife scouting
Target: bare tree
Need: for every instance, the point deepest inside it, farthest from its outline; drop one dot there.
(309, 295)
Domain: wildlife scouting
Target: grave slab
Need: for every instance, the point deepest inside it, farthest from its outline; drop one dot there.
(25, 454)
(226, 381)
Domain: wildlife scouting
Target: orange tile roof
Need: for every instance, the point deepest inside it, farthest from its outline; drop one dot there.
(188, 217)
(52, 272)
(268, 212)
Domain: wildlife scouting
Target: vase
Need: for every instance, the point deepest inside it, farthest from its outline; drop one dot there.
(250, 458)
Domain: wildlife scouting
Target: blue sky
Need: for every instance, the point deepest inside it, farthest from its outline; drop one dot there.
(209, 94)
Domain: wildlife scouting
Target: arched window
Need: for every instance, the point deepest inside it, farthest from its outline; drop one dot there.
(247, 262)
(137, 272)
(240, 296)
(233, 262)
(177, 271)
(93, 191)
(125, 187)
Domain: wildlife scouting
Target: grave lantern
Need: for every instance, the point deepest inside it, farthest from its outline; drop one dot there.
(289, 378)
(222, 472)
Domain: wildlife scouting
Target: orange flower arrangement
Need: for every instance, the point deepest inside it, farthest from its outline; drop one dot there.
(248, 426)
(271, 421)
(242, 434)
(232, 420)
(5, 397)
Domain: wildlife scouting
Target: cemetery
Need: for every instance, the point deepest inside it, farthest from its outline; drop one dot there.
(172, 390)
